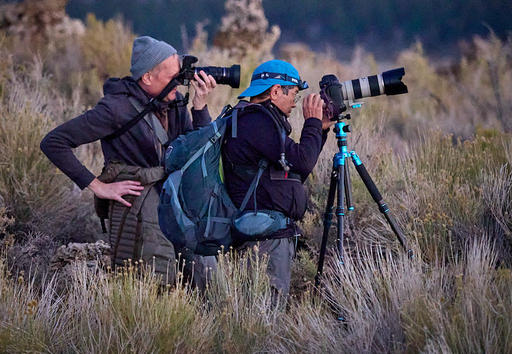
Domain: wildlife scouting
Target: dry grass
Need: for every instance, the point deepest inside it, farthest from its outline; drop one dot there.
(441, 156)
(389, 303)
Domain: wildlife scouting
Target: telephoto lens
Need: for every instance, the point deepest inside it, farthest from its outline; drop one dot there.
(389, 83)
(222, 75)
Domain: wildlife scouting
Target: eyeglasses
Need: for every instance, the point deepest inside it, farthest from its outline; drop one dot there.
(296, 95)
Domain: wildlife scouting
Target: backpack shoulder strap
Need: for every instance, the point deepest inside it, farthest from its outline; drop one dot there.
(234, 123)
(248, 107)
(262, 165)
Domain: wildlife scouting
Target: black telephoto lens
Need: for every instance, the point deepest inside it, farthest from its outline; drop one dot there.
(222, 75)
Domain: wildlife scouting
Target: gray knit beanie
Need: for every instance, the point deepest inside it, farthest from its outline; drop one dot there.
(147, 53)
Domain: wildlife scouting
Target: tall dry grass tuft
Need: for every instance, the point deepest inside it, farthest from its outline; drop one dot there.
(128, 311)
(241, 300)
(497, 198)
(392, 304)
(97, 312)
(465, 311)
(29, 183)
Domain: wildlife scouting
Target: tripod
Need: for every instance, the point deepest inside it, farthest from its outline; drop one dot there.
(340, 187)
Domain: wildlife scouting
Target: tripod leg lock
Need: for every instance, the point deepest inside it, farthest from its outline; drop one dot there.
(383, 207)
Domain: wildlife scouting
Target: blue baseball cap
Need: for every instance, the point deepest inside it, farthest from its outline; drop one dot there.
(270, 73)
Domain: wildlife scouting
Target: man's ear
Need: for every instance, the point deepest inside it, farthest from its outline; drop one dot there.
(146, 78)
(274, 91)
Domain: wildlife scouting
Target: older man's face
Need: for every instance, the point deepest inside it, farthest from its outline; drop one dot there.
(156, 80)
(286, 102)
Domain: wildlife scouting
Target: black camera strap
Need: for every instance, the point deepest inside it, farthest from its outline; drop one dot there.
(151, 106)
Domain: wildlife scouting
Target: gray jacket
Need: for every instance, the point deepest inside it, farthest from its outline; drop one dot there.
(138, 147)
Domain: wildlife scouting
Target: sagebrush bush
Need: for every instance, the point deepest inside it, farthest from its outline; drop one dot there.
(33, 191)
(29, 183)
(105, 49)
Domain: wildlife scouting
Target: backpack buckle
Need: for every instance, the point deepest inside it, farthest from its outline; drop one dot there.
(226, 111)
(216, 137)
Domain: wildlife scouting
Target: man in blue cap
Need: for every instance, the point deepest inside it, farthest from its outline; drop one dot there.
(133, 159)
(275, 86)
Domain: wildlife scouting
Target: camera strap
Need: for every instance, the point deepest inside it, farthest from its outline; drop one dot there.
(152, 105)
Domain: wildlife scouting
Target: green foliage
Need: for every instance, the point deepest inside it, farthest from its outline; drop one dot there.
(104, 51)
(447, 178)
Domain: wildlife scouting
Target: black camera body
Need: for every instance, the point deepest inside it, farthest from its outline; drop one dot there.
(222, 75)
(331, 94)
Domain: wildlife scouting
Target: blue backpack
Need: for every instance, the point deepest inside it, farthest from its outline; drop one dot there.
(195, 211)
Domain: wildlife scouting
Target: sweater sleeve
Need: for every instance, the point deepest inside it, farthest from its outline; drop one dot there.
(201, 118)
(57, 145)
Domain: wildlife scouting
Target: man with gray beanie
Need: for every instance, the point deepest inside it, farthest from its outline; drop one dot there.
(127, 191)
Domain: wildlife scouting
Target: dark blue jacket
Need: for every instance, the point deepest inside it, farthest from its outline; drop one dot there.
(257, 138)
(138, 146)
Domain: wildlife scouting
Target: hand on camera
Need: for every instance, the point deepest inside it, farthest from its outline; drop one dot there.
(115, 191)
(326, 118)
(312, 106)
(203, 84)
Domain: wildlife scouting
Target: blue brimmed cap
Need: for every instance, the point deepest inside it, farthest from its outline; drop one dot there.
(270, 73)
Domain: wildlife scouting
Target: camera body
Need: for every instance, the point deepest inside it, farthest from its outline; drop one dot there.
(332, 94)
(222, 75)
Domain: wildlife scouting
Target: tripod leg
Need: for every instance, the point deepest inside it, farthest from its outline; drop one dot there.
(340, 207)
(377, 197)
(327, 225)
(348, 188)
